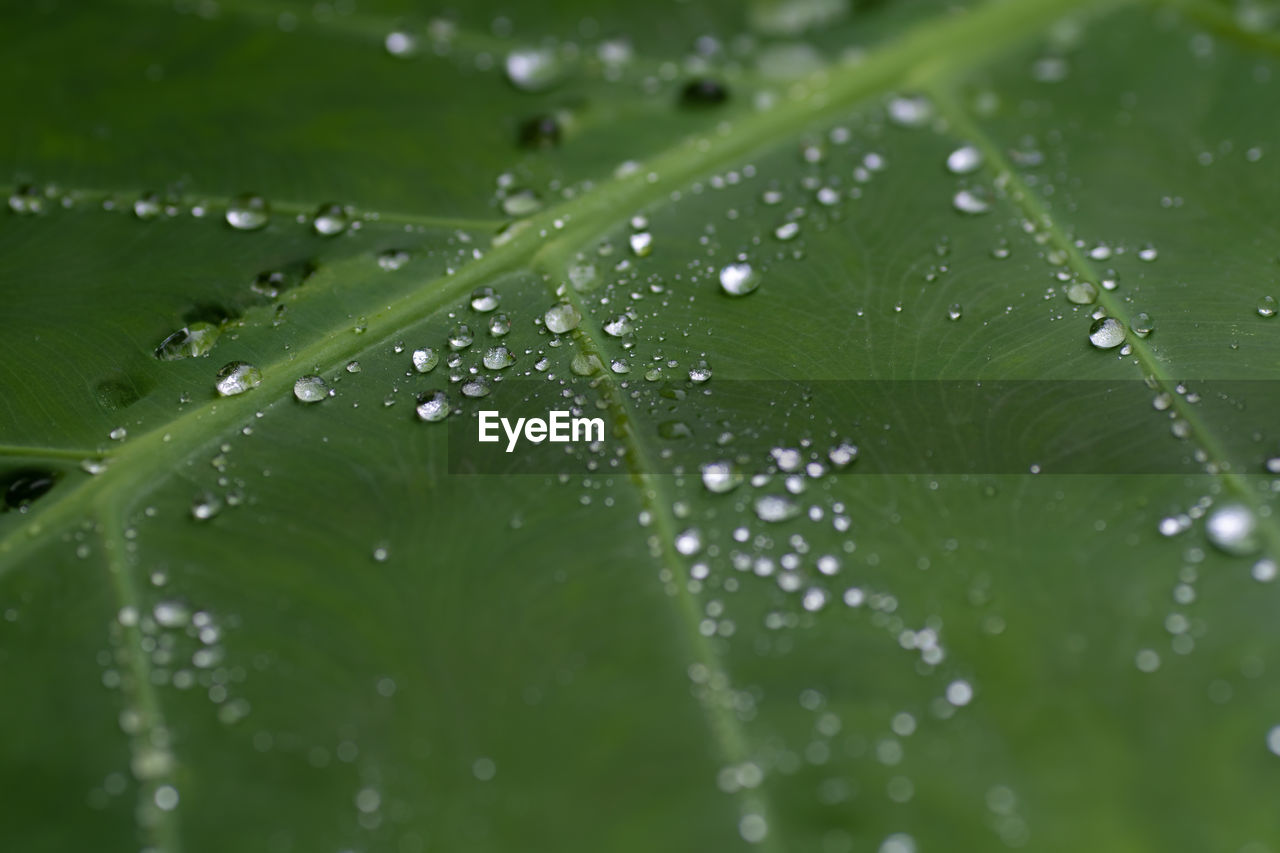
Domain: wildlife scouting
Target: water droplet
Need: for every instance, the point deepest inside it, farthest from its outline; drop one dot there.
(460, 337)
(1233, 528)
(641, 244)
(1082, 293)
(753, 828)
(703, 92)
(147, 206)
(971, 202)
(118, 434)
(476, 386)
(787, 231)
(433, 406)
(353, 367)
(910, 112)
(738, 279)
(499, 325)
(237, 377)
(1106, 333)
(955, 311)
(674, 430)
(721, 477)
(700, 372)
(393, 259)
(619, 326)
(1273, 740)
(843, 455)
(401, 44)
(190, 341)
(1267, 306)
(532, 69)
(205, 506)
(311, 389)
(484, 299)
(425, 359)
(1142, 324)
(522, 202)
(248, 212)
(562, 318)
(26, 200)
(959, 693)
(330, 220)
(689, 542)
(964, 160)
(775, 508)
(498, 358)
(539, 132)
(1148, 254)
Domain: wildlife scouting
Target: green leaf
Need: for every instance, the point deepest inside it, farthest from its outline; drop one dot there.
(307, 620)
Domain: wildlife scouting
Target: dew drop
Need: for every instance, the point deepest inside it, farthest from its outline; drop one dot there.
(498, 358)
(236, 378)
(532, 69)
(721, 477)
(26, 200)
(1142, 324)
(499, 325)
(460, 337)
(311, 389)
(787, 231)
(1233, 529)
(738, 279)
(205, 506)
(700, 372)
(1082, 293)
(562, 318)
(1267, 306)
(910, 112)
(330, 220)
(955, 312)
(393, 259)
(689, 542)
(433, 406)
(193, 340)
(147, 206)
(1106, 333)
(522, 202)
(248, 212)
(964, 160)
(641, 244)
(774, 508)
(484, 299)
(970, 202)
(476, 386)
(400, 44)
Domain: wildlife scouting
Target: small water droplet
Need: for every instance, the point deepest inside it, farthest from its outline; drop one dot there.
(1106, 333)
(330, 220)
(248, 212)
(1148, 254)
(499, 325)
(237, 377)
(699, 373)
(964, 160)
(498, 358)
(1082, 293)
(476, 386)
(971, 202)
(1142, 324)
(522, 202)
(26, 200)
(433, 406)
(401, 44)
(311, 389)
(955, 311)
(1233, 529)
(641, 244)
(1267, 306)
(562, 318)
(460, 337)
(738, 279)
(774, 508)
(910, 112)
(787, 231)
(541, 131)
(618, 326)
(205, 506)
(393, 259)
(484, 299)
(721, 477)
(147, 206)
(190, 341)
(532, 69)
(689, 542)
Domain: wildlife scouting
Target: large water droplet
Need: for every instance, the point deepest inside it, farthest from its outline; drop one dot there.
(433, 406)
(330, 220)
(562, 318)
(237, 377)
(193, 340)
(311, 389)
(1142, 324)
(721, 477)
(1082, 293)
(461, 337)
(484, 299)
(964, 160)
(738, 279)
(498, 358)
(1106, 333)
(248, 212)
(1233, 528)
